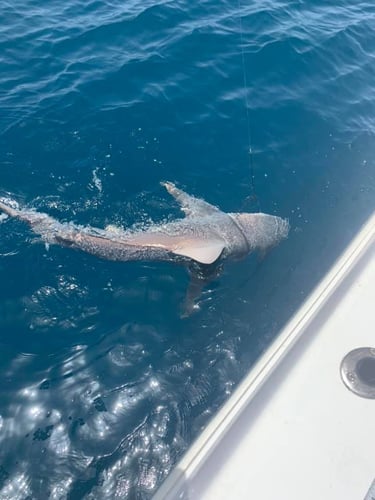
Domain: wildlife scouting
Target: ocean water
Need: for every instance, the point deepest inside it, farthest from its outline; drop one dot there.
(103, 385)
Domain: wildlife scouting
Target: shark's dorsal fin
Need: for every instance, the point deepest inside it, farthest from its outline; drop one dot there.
(189, 204)
(204, 252)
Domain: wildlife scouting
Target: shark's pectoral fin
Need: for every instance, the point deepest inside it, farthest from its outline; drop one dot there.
(204, 252)
(200, 277)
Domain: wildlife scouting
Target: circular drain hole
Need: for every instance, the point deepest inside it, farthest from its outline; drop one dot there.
(365, 369)
(358, 371)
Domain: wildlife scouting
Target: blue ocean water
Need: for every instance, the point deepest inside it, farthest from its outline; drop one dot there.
(104, 386)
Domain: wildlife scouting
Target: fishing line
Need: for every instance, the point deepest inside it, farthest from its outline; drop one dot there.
(253, 196)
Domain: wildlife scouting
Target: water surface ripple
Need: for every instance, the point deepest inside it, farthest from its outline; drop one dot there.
(104, 385)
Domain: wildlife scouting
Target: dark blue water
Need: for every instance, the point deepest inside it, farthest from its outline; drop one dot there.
(103, 385)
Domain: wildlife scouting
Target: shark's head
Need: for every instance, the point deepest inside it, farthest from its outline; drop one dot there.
(261, 231)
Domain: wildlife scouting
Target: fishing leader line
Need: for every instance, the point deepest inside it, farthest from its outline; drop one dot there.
(253, 196)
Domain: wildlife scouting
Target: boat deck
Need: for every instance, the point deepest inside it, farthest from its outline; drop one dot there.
(292, 429)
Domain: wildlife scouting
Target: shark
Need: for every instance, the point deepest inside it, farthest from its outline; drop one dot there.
(202, 240)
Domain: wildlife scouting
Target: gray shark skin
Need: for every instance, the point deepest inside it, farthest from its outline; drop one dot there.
(204, 238)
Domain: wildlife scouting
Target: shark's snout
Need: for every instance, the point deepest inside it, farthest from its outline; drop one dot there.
(283, 228)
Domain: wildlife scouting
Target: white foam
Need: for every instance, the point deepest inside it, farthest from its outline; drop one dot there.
(96, 180)
(10, 203)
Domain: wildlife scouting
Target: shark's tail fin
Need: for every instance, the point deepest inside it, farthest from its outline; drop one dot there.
(9, 207)
(41, 223)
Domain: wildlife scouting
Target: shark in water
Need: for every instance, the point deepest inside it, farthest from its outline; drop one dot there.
(202, 240)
